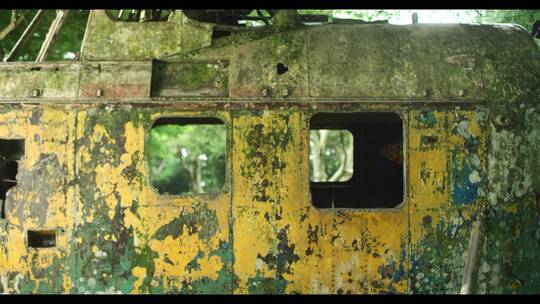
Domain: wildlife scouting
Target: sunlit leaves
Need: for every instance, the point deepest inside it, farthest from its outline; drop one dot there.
(187, 158)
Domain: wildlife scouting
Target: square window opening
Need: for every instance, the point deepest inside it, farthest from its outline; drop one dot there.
(11, 151)
(187, 155)
(356, 160)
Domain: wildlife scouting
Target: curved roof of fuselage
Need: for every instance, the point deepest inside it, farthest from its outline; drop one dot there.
(498, 64)
(385, 61)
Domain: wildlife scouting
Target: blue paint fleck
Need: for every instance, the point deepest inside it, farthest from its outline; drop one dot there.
(463, 191)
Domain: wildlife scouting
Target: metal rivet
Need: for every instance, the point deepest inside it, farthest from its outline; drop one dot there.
(426, 93)
(285, 92)
(502, 120)
(35, 93)
(99, 93)
(462, 93)
(265, 92)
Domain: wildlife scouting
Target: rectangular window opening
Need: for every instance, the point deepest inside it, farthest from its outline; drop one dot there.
(187, 155)
(41, 238)
(11, 150)
(356, 160)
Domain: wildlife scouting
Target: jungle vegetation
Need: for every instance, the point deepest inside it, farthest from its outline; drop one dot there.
(191, 158)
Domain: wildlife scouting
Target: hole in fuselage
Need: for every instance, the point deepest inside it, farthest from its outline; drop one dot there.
(41, 238)
(281, 68)
(11, 150)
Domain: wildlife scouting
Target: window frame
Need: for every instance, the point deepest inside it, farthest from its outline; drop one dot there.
(402, 113)
(224, 189)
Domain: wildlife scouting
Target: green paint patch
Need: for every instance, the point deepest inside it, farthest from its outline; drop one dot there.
(202, 221)
(264, 285)
(194, 264)
(226, 280)
(426, 119)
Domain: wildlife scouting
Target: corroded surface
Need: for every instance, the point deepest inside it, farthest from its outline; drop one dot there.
(469, 103)
(261, 235)
(106, 39)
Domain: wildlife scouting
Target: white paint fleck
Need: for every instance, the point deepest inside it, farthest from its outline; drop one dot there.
(258, 264)
(92, 283)
(100, 254)
(463, 128)
(474, 177)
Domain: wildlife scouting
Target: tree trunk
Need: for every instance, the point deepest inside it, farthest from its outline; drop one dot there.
(193, 167)
(13, 24)
(318, 139)
(345, 170)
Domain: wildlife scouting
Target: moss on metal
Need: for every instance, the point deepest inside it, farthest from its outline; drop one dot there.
(469, 100)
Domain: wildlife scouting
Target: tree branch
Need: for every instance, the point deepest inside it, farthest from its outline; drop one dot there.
(13, 24)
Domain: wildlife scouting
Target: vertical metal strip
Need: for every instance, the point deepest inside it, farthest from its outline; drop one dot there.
(51, 35)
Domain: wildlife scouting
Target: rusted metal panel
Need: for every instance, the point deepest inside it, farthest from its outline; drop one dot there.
(510, 73)
(470, 150)
(44, 199)
(168, 244)
(57, 80)
(115, 80)
(261, 234)
(448, 181)
(173, 79)
(281, 241)
(65, 81)
(106, 39)
(390, 61)
(254, 67)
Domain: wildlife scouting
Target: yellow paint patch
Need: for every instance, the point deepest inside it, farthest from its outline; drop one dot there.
(140, 274)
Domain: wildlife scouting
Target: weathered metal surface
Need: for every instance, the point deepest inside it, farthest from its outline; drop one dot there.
(469, 103)
(415, 63)
(19, 80)
(173, 79)
(54, 81)
(106, 39)
(260, 235)
(132, 82)
(363, 61)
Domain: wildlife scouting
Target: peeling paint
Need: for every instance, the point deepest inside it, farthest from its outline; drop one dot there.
(85, 171)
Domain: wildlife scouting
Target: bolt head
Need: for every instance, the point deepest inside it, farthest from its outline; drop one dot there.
(265, 92)
(35, 92)
(99, 93)
(426, 93)
(462, 93)
(502, 120)
(285, 92)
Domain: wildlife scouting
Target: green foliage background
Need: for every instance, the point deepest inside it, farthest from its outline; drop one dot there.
(336, 143)
(68, 42)
(173, 148)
